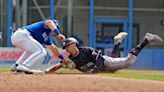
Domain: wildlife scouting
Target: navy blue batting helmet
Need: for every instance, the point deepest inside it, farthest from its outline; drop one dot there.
(69, 41)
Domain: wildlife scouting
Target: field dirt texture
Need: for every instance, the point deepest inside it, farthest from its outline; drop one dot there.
(75, 83)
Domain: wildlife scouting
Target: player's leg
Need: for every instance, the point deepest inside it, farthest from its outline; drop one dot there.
(27, 43)
(120, 63)
(34, 57)
(17, 39)
(22, 58)
(36, 49)
(117, 41)
(148, 39)
(114, 64)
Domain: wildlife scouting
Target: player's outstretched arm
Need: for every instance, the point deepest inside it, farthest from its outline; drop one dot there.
(53, 68)
(55, 51)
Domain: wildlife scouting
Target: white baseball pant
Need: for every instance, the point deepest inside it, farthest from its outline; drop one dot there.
(119, 63)
(33, 49)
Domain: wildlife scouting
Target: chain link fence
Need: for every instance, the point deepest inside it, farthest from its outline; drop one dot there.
(148, 16)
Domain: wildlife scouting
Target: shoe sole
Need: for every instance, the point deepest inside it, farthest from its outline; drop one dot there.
(24, 70)
(120, 37)
(156, 39)
(31, 71)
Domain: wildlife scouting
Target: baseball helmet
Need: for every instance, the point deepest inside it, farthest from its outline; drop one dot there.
(69, 41)
(56, 22)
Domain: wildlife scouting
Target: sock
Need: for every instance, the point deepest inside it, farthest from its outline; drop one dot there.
(135, 51)
(115, 52)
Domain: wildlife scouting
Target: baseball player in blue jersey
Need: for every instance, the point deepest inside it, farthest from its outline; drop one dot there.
(32, 39)
(90, 60)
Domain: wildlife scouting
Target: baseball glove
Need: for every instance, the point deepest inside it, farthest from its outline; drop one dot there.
(68, 64)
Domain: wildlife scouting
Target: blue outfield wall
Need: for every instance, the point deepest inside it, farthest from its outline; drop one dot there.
(150, 59)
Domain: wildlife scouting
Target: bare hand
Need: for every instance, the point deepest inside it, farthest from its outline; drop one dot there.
(61, 37)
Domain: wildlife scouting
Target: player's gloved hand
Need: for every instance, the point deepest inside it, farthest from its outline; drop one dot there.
(61, 37)
(93, 70)
(67, 63)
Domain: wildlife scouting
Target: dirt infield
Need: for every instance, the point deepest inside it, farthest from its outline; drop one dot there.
(75, 83)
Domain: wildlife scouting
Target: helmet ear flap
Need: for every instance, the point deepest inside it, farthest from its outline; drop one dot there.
(77, 44)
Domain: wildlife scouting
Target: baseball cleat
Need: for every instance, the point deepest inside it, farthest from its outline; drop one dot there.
(18, 72)
(119, 37)
(24, 69)
(13, 67)
(38, 72)
(153, 39)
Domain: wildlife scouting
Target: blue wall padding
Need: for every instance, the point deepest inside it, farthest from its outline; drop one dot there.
(152, 59)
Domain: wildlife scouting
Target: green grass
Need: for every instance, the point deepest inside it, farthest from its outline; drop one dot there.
(138, 74)
(4, 70)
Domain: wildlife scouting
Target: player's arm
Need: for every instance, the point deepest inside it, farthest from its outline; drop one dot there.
(98, 60)
(53, 68)
(97, 66)
(53, 27)
(55, 51)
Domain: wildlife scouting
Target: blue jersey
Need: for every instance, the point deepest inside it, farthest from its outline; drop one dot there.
(40, 32)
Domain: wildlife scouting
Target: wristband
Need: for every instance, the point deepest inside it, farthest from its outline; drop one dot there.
(61, 57)
(56, 31)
